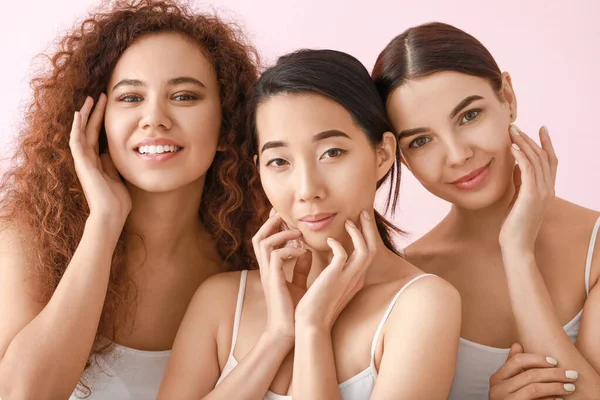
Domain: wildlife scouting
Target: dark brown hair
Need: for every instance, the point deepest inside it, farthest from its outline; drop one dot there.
(41, 194)
(434, 47)
(343, 79)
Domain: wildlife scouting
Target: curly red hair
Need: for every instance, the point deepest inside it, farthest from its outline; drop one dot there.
(42, 194)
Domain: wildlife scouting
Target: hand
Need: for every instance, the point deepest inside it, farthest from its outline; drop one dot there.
(341, 279)
(535, 176)
(104, 191)
(281, 296)
(527, 376)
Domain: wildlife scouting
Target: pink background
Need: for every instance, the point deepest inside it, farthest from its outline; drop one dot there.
(549, 47)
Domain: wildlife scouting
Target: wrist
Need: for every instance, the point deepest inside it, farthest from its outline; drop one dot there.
(312, 329)
(276, 340)
(108, 227)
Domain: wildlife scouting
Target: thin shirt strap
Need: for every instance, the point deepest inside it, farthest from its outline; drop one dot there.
(238, 309)
(388, 312)
(588, 263)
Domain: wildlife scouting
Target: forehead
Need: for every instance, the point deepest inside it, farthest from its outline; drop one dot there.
(298, 116)
(162, 56)
(436, 94)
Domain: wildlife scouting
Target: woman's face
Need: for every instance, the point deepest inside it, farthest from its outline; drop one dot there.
(317, 167)
(453, 133)
(163, 115)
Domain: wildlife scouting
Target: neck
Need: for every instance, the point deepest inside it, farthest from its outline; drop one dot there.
(483, 225)
(321, 260)
(165, 227)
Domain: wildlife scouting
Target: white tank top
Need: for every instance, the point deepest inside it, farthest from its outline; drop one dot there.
(359, 387)
(476, 362)
(126, 374)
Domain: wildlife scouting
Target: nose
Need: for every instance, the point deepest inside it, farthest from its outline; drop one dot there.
(310, 185)
(155, 115)
(458, 151)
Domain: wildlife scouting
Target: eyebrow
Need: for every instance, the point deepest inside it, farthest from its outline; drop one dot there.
(171, 82)
(319, 136)
(463, 104)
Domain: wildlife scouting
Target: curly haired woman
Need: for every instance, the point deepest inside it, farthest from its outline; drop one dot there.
(130, 187)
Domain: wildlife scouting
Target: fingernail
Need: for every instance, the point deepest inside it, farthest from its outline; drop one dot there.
(350, 223)
(546, 130)
(272, 212)
(569, 387)
(366, 215)
(572, 374)
(516, 147)
(552, 360)
(514, 130)
(559, 398)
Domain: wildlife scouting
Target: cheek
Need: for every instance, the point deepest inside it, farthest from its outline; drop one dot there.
(203, 124)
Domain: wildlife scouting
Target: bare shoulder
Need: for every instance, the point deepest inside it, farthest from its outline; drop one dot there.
(428, 302)
(220, 289)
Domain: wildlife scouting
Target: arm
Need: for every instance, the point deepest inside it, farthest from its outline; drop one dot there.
(193, 368)
(541, 332)
(35, 337)
(539, 329)
(420, 343)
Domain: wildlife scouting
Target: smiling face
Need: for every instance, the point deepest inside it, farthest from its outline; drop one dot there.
(163, 115)
(453, 133)
(317, 167)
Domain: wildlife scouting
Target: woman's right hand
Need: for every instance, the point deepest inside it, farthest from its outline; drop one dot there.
(527, 376)
(107, 196)
(281, 296)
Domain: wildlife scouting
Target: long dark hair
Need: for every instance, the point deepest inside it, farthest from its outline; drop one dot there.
(343, 79)
(429, 48)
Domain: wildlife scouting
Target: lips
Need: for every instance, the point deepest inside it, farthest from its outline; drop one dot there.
(317, 222)
(473, 179)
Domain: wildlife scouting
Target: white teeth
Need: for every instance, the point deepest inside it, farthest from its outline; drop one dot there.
(153, 150)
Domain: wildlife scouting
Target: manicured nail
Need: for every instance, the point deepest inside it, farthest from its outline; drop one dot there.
(516, 147)
(514, 130)
(546, 130)
(572, 374)
(272, 212)
(569, 387)
(350, 223)
(552, 360)
(559, 398)
(366, 215)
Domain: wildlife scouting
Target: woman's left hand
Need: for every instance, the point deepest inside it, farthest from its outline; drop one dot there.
(535, 176)
(341, 279)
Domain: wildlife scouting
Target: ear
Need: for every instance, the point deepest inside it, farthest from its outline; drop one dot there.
(508, 94)
(386, 154)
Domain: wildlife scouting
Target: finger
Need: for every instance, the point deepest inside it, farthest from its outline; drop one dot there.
(339, 254)
(278, 258)
(302, 269)
(270, 226)
(548, 147)
(523, 361)
(361, 252)
(75, 136)
(108, 166)
(267, 245)
(515, 349)
(541, 390)
(528, 147)
(85, 111)
(540, 375)
(526, 174)
(94, 125)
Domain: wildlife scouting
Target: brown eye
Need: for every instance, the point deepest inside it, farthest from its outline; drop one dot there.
(419, 142)
(469, 116)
